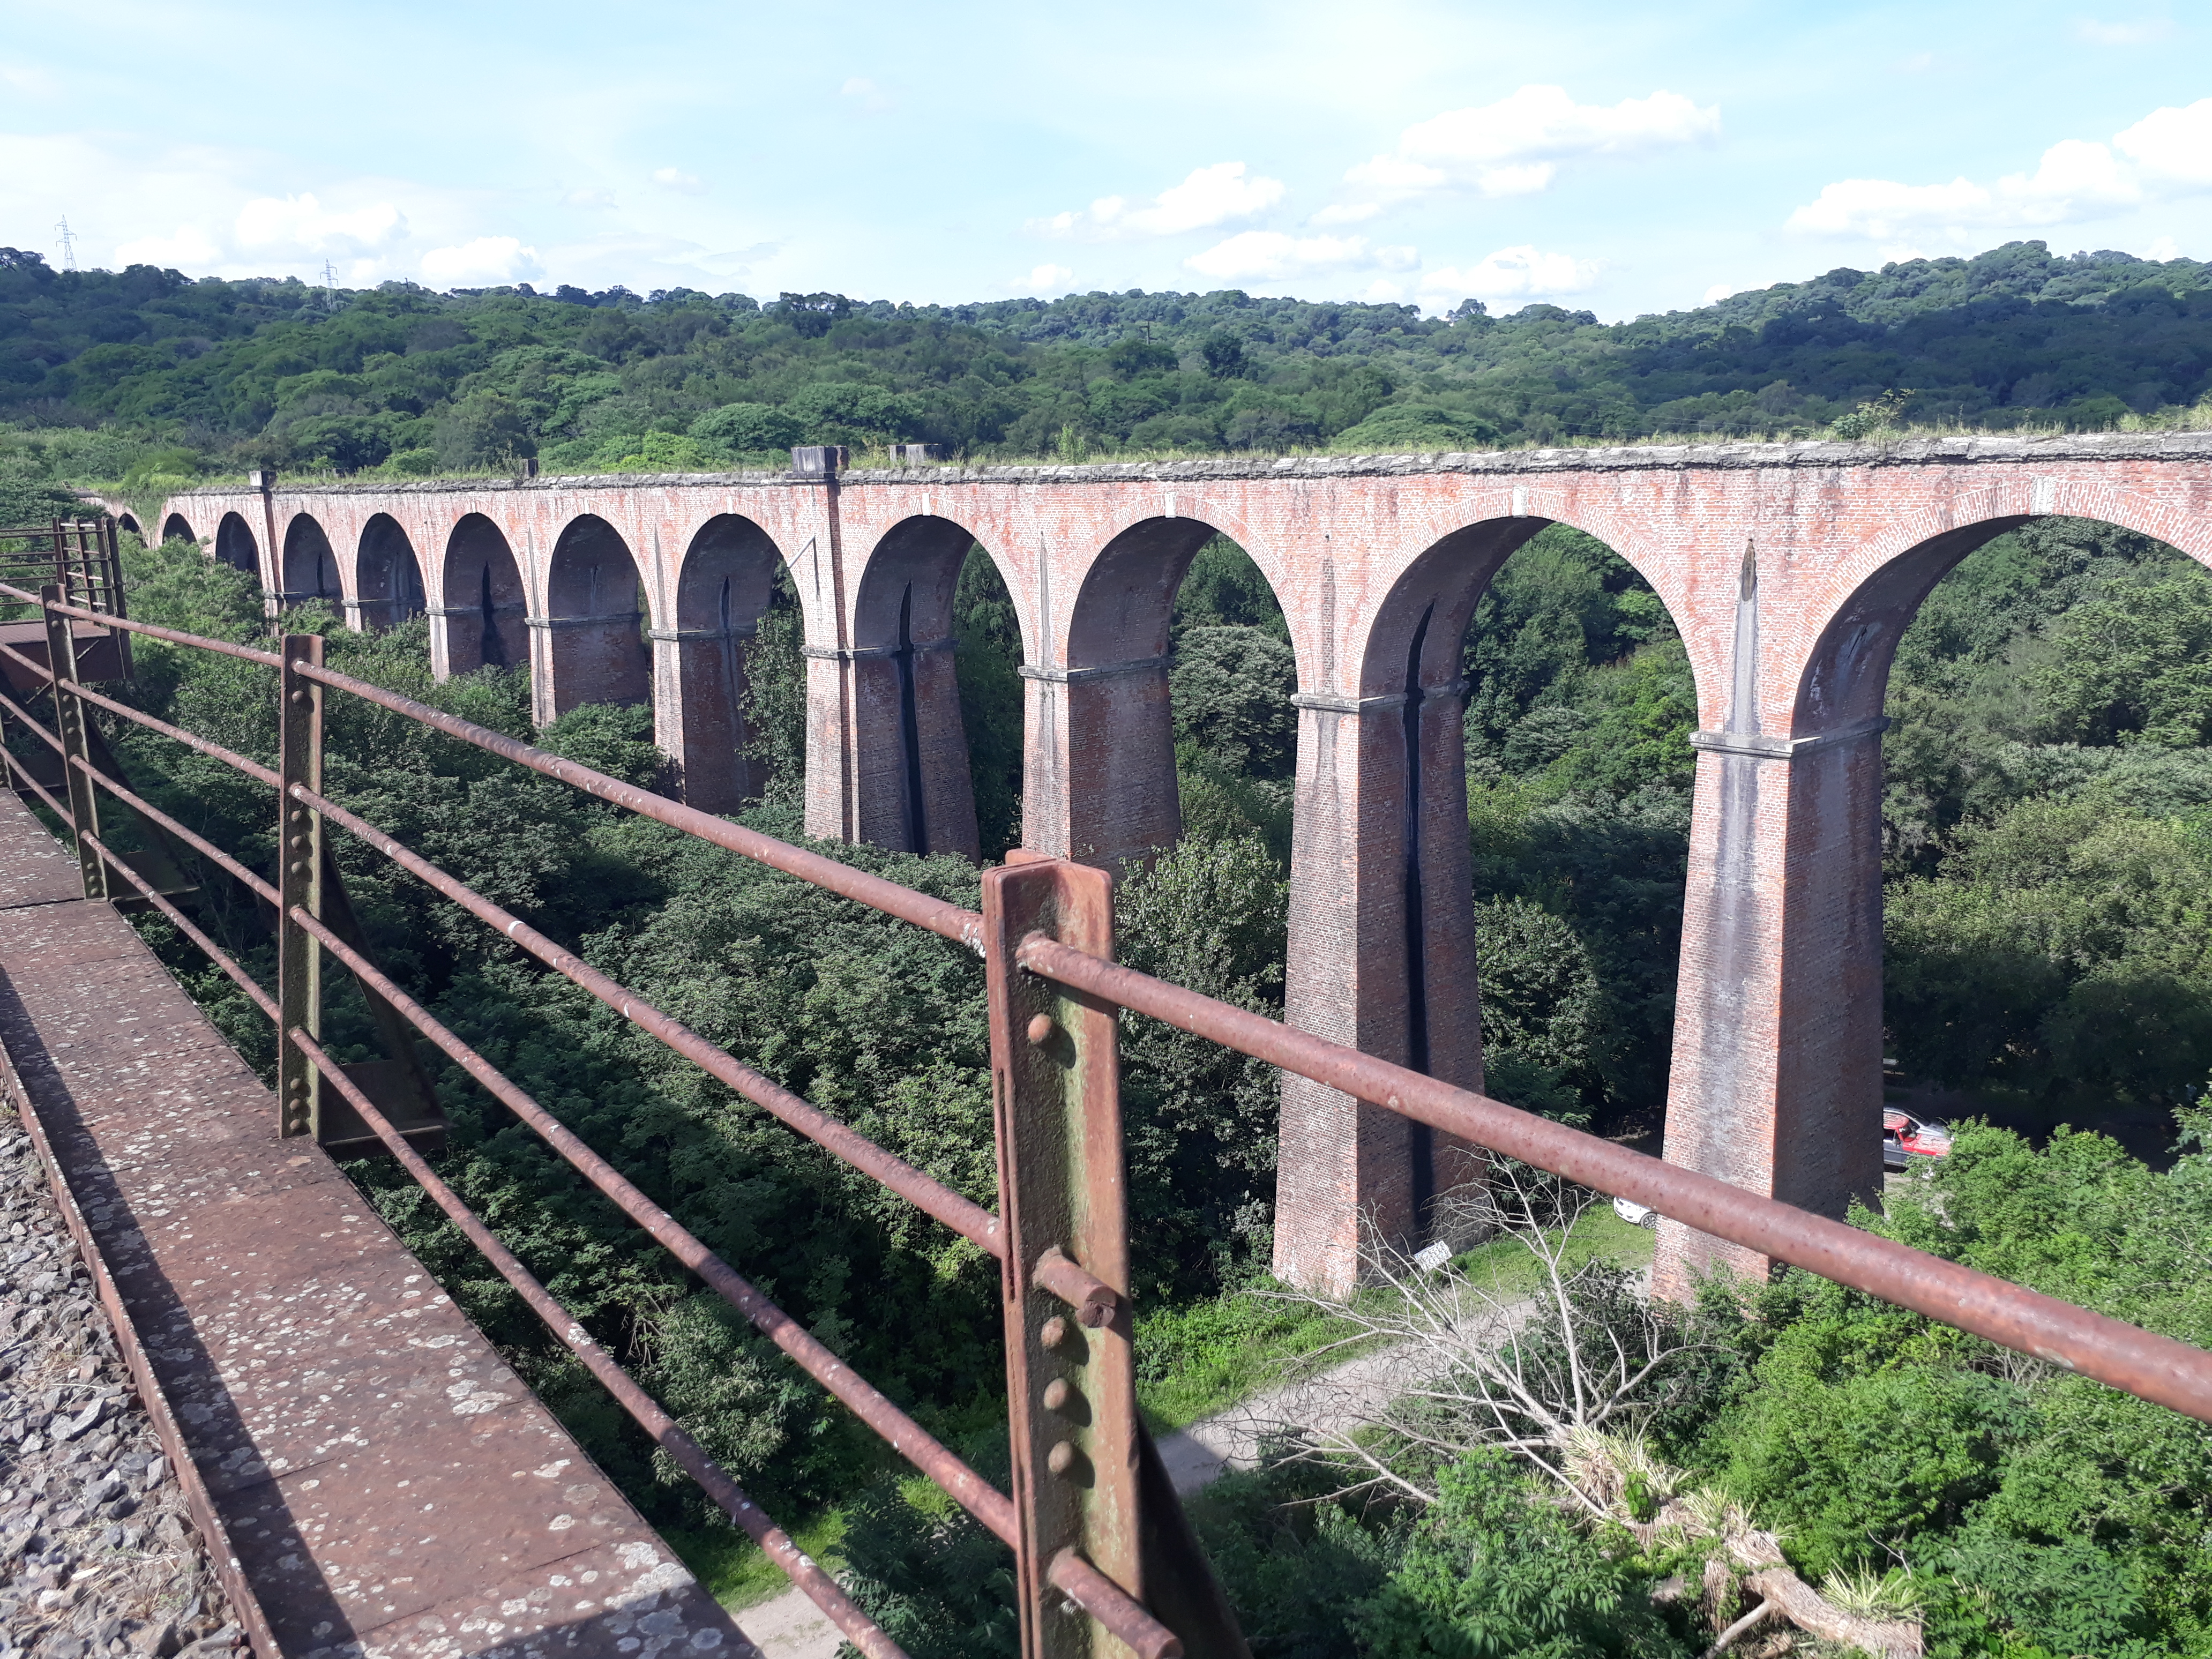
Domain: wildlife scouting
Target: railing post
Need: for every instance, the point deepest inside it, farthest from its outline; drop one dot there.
(69, 722)
(112, 563)
(1071, 1384)
(299, 882)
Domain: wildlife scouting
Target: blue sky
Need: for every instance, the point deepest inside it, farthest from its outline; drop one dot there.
(1627, 158)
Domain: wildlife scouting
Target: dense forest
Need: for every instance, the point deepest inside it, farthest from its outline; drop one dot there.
(2047, 834)
(210, 377)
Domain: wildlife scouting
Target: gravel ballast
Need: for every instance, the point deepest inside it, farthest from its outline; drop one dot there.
(98, 1556)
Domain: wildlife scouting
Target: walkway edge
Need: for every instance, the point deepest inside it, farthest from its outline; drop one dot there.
(222, 1556)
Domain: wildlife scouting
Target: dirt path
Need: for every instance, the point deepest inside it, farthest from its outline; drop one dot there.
(790, 1627)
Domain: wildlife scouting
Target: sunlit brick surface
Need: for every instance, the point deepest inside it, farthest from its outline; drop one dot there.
(1777, 1076)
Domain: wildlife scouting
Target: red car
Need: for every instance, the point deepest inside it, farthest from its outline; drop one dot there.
(1905, 1138)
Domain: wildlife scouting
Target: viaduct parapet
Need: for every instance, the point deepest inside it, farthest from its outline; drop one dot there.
(1792, 571)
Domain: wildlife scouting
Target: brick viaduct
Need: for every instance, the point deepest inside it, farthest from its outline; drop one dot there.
(1791, 570)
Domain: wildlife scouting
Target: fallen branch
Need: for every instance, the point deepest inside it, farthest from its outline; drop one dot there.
(1736, 1632)
(1810, 1610)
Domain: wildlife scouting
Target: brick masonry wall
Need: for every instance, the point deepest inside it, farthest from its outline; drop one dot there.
(1776, 1080)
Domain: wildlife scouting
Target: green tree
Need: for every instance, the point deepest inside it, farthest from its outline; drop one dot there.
(484, 429)
(2134, 663)
(1493, 1570)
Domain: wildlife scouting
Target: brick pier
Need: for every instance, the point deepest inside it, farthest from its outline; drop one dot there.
(1791, 570)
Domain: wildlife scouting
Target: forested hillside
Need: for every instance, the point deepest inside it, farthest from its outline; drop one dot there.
(150, 374)
(2047, 836)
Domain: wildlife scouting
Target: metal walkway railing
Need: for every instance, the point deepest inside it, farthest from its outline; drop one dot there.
(1091, 1519)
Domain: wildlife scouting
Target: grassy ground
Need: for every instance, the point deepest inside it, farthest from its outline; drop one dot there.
(1191, 1362)
(736, 1573)
(1194, 1362)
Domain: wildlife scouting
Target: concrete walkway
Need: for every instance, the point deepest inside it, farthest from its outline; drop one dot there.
(367, 1470)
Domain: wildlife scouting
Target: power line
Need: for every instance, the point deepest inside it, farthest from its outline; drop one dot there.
(69, 244)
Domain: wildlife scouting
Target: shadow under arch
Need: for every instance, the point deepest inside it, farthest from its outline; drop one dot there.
(482, 612)
(175, 529)
(595, 648)
(723, 587)
(234, 545)
(311, 567)
(130, 522)
(1102, 724)
(1847, 675)
(911, 787)
(387, 576)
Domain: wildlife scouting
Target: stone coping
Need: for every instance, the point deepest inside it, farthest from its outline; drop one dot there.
(1966, 450)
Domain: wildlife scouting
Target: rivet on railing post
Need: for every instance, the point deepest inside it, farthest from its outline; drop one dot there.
(69, 723)
(1056, 1088)
(299, 882)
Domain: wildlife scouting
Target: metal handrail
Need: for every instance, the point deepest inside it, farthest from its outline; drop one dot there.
(2138, 1361)
(2150, 1366)
(2111, 1351)
(666, 1433)
(1081, 1583)
(969, 1219)
(909, 1438)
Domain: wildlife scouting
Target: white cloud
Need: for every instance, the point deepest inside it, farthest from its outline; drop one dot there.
(674, 179)
(1513, 273)
(189, 249)
(1514, 147)
(2075, 180)
(1271, 256)
(2167, 153)
(483, 262)
(2123, 34)
(1718, 292)
(591, 198)
(278, 230)
(1050, 279)
(870, 96)
(1210, 196)
(301, 221)
(2173, 144)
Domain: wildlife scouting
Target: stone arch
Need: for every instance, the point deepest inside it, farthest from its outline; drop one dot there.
(723, 587)
(1845, 676)
(234, 545)
(910, 785)
(482, 611)
(592, 634)
(128, 521)
(1806, 774)
(387, 578)
(311, 567)
(175, 529)
(1109, 794)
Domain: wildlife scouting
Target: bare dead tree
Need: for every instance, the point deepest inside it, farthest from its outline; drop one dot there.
(1498, 1357)
(1561, 1363)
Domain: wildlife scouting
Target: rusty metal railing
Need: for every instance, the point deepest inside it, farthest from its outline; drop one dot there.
(1092, 1520)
